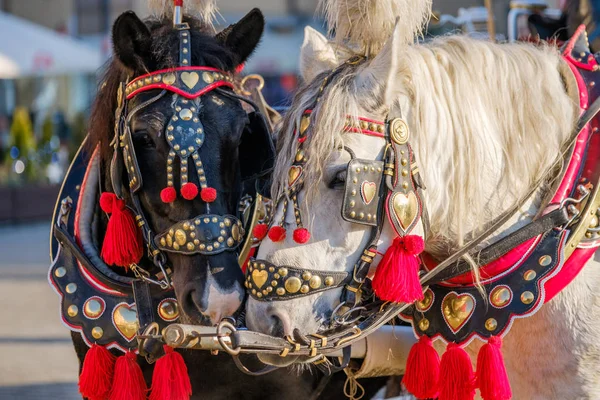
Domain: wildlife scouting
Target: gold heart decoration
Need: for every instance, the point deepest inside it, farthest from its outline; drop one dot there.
(457, 310)
(124, 318)
(406, 208)
(259, 278)
(367, 190)
(190, 79)
(294, 174)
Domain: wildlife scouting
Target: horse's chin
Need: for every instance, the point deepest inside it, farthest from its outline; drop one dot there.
(277, 361)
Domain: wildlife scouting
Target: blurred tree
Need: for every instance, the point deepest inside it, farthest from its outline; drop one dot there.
(22, 140)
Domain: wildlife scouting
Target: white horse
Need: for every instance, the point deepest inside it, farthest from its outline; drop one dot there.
(486, 122)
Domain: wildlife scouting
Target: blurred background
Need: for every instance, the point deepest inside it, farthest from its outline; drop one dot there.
(50, 55)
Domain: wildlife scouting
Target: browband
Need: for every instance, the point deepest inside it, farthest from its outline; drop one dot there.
(189, 82)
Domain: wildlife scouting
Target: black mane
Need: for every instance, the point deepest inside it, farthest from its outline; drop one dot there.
(206, 51)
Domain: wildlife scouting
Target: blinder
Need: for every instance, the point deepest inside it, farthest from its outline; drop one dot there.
(363, 191)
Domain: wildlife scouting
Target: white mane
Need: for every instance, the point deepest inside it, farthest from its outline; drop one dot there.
(486, 122)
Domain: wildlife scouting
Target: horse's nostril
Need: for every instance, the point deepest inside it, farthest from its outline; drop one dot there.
(192, 303)
(280, 324)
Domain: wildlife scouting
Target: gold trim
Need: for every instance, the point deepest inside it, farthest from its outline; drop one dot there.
(357, 333)
(589, 212)
(258, 204)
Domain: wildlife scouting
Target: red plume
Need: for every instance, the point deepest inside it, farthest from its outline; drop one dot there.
(128, 382)
(170, 380)
(96, 376)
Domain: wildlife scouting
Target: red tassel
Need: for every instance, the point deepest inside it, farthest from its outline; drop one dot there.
(96, 376)
(457, 380)
(123, 243)
(301, 235)
(170, 380)
(277, 233)
(168, 194)
(208, 194)
(397, 275)
(128, 381)
(189, 191)
(492, 378)
(422, 370)
(260, 231)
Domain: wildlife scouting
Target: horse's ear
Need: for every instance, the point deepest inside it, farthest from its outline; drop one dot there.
(317, 54)
(243, 37)
(132, 42)
(378, 78)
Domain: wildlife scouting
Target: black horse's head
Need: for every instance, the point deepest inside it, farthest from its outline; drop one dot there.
(208, 287)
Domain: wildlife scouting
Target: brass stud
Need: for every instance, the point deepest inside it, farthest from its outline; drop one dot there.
(72, 311)
(93, 308)
(274, 283)
(306, 276)
(500, 296)
(527, 297)
(97, 332)
(361, 215)
(209, 248)
(353, 192)
(424, 324)
(230, 242)
(186, 114)
(280, 291)
(491, 324)
(60, 272)
(180, 237)
(304, 289)
(176, 246)
(168, 310)
(293, 284)
(352, 214)
(190, 246)
(352, 203)
(315, 282)
(207, 77)
(405, 185)
(71, 288)
(529, 275)
(329, 281)
(283, 271)
(545, 261)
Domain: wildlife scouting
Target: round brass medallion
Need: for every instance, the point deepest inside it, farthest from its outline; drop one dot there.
(315, 282)
(207, 77)
(72, 310)
(60, 272)
(71, 288)
(185, 114)
(491, 324)
(545, 261)
(180, 237)
(168, 310)
(97, 332)
(527, 297)
(293, 284)
(399, 131)
(424, 304)
(529, 275)
(424, 324)
(93, 308)
(500, 296)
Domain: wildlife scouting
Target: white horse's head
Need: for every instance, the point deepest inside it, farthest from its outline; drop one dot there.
(475, 129)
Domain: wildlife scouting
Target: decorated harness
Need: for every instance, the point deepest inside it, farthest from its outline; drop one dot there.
(519, 273)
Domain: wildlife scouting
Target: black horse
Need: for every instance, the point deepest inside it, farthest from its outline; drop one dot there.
(207, 287)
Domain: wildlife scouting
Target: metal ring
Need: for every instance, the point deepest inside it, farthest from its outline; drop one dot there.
(221, 337)
(261, 83)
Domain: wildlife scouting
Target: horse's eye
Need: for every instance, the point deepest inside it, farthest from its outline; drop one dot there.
(142, 139)
(339, 180)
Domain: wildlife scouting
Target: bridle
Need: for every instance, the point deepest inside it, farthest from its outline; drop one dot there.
(360, 312)
(206, 234)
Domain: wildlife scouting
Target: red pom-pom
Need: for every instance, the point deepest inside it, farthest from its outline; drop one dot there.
(189, 191)
(128, 382)
(414, 245)
(168, 194)
(239, 68)
(277, 233)
(123, 242)
(208, 194)
(260, 231)
(492, 378)
(422, 370)
(457, 380)
(301, 235)
(397, 275)
(170, 380)
(107, 200)
(96, 376)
